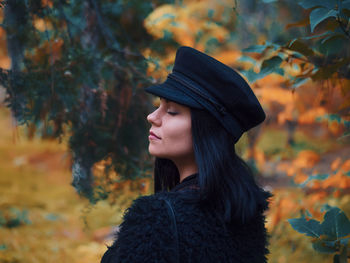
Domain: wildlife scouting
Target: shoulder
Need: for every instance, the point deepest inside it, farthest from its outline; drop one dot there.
(144, 234)
(152, 215)
(144, 204)
(145, 207)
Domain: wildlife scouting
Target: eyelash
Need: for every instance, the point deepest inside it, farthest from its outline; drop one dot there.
(169, 112)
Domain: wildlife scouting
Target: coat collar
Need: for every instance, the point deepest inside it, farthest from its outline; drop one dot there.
(191, 180)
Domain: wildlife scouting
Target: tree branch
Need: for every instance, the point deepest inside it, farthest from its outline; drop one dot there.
(63, 15)
(342, 27)
(107, 33)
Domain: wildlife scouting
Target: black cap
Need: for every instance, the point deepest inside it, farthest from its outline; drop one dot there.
(202, 82)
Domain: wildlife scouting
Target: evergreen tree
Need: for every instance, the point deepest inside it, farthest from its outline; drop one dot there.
(77, 68)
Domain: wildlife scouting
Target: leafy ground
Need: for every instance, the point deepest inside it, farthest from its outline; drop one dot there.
(50, 223)
(44, 220)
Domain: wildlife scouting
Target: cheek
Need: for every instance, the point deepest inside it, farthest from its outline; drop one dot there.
(179, 137)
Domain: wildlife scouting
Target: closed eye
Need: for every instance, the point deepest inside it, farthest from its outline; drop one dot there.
(172, 113)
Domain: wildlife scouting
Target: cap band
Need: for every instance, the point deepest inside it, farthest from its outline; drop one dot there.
(200, 92)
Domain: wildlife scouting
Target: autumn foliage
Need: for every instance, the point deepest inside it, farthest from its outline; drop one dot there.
(78, 77)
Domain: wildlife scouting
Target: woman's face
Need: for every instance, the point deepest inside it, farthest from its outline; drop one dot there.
(171, 125)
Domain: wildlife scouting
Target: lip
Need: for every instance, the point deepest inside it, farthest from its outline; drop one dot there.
(153, 136)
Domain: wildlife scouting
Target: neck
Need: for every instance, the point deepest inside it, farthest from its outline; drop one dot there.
(186, 167)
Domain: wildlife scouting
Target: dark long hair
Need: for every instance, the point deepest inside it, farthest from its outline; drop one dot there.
(226, 182)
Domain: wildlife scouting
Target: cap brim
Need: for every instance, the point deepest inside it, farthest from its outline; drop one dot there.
(171, 90)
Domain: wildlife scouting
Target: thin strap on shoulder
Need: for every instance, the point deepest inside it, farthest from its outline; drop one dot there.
(174, 228)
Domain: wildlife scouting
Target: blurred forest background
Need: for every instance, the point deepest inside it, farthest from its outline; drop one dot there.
(73, 137)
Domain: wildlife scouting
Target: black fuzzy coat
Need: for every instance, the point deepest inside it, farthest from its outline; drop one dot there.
(145, 234)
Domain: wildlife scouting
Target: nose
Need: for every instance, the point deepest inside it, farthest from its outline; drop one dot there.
(153, 118)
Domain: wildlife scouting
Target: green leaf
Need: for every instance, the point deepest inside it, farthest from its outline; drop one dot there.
(335, 224)
(211, 13)
(279, 71)
(330, 117)
(52, 217)
(299, 46)
(346, 4)
(326, 207)
(330, 4)
(308, 214)
(112, 8)
(165, 16)
(306, 4)
(255, 48)
(334, 117)
(251, 75)
(167, 34)
(297, 82)
(247, 59)
(319, 14)
(175, 24)
(345, 241)
(330, 36)
(315, 177)
(344, 135)
(320, 246)
(271, 63)
(327, 33)
(332, 44)
(311, 228)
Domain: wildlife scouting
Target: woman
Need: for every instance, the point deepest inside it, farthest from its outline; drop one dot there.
(207, 206)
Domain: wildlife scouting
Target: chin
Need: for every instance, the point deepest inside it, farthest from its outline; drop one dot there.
(153, 152)
(156, 153)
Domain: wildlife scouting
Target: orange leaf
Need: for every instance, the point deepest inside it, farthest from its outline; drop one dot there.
(310, 115)
(47, 3)
(319, 196)
(345, 166)
(338, 180)
(335, 127)
(300, 177)
(306, 159)
(335, 164)
(337, 193)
